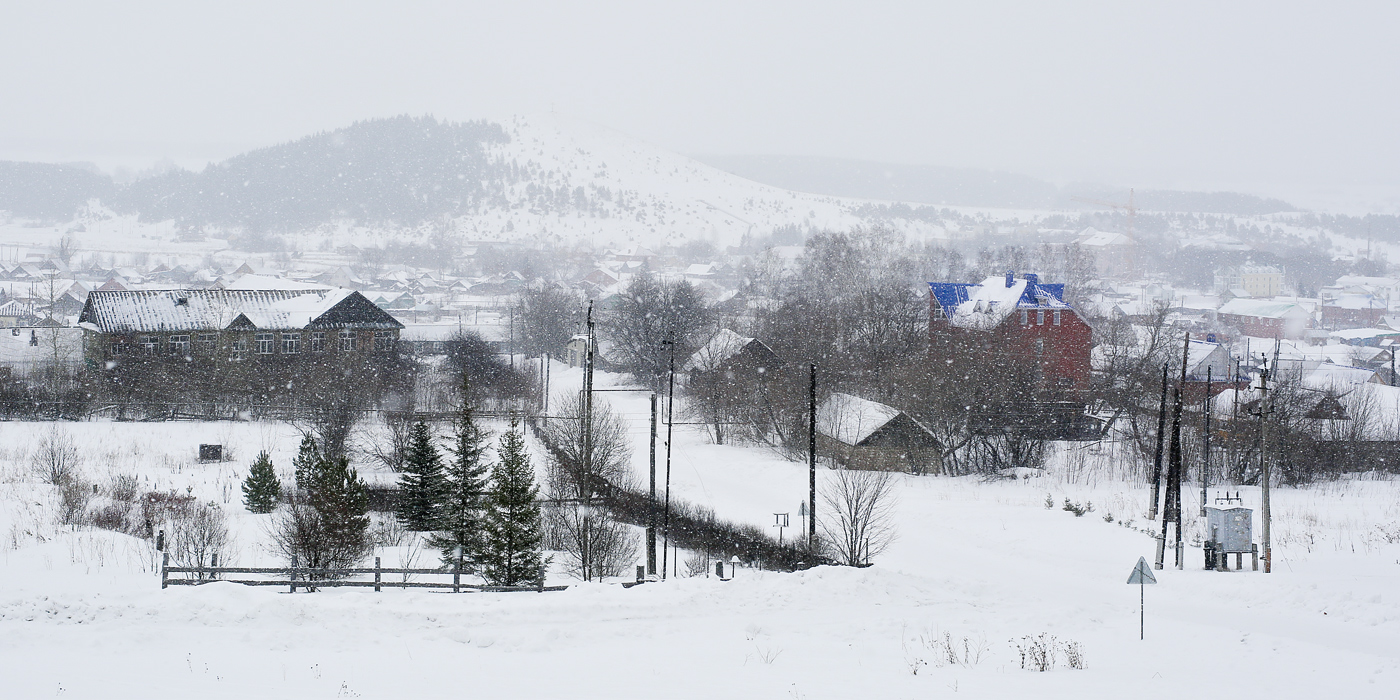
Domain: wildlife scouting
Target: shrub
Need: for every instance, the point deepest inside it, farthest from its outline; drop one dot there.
(1079, 509)
(123, 488)
(57, 459)
(199, 537)
(74, 495)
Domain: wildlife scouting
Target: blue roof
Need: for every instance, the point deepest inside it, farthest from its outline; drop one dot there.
(950, 294)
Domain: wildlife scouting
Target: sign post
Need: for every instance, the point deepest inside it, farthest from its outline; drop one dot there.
(1142, 575)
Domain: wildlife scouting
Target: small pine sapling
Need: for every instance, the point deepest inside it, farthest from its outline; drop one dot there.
(262, 488)
(461, 524)
(341, 499)
(422, 485)
(304, 464)
(514, 530)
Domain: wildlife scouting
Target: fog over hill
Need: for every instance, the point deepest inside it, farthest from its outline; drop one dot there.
(929, 184)
(546, 179)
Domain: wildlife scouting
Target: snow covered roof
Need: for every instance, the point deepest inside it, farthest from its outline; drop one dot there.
(1098, 239)
(1357, 301)
(851, 419)
(987, 304)
(263, 282)
(1198, 355)
(1353, 334)
(210, 309)
(1262, 308)
(722, 346)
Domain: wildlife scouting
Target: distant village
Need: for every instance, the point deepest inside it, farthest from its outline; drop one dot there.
(1342, 337)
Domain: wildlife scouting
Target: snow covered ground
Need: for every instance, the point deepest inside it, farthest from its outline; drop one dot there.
(82, 613)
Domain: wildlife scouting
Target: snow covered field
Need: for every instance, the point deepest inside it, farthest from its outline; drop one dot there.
(82, 613)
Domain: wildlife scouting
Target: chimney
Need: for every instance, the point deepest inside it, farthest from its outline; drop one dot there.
(1032, 280)
(1010, 278)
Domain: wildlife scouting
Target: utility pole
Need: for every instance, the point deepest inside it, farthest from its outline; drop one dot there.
(651, 504)
(670, 408)
(588, 448)
(1264, 463)
(1175, 466)
(1171, 505)
(812, 459)
(1157, 462)
(1205, 454)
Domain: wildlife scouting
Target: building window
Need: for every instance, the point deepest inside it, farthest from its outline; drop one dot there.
(263, 342)
(205, 342)
(1057, 318)
(1040, 317)
(117, 348)
(1039, 347)
(318, 341)
(291, 343)
(240, 347)
(383, 340)
(347, 341)
(180, 345)
(1025, 318)
(148, 344)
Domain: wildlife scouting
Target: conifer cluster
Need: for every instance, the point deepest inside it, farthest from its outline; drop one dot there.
(487, 512)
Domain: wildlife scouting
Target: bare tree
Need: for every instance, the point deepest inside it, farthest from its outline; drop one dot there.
(547, 317)
(200, 537)
(57, 458)
(651, 313)
(858, 510)
(595, 544)
(581, 467)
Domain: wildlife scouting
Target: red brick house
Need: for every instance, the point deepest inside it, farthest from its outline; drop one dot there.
(1021, 319)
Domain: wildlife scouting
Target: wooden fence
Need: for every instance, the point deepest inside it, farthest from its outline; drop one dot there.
(309, 578)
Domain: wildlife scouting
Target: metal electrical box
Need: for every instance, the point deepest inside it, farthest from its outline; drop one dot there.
(1232, 528)
(211, 453)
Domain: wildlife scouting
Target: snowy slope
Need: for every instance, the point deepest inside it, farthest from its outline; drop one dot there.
(653, 197)
(82, 614)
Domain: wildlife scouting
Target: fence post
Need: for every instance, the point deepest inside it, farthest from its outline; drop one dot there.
(213, 566)
(539, 583)
(457, 577)
(164, 570)
(199, 568)
(293, 572)
(376, 574)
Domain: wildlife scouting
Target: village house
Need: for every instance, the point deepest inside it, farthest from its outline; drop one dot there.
(1353, 311)
(1266, 319)
(234, 324)
(1025, 319)
(731, 357)
(863, 434)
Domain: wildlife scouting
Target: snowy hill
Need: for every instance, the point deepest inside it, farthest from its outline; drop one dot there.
(532, 179)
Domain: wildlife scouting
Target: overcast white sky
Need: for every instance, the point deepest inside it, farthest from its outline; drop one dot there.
(1267, 98)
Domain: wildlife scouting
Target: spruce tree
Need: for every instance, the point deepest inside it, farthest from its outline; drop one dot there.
(341, 502)
(304, 464)
(261, 489)
(514, 531)
(466, 484)
(422, 485)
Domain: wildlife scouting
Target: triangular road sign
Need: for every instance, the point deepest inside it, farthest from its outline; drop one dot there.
(1142, 573)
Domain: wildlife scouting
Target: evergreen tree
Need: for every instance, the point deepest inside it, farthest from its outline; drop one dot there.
(514, 532)
(304, 464)
(261, 489)
(466, 484)
(341, 502)
(422, 485)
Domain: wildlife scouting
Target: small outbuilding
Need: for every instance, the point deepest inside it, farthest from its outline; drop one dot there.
(863, 434)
